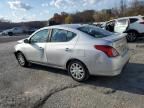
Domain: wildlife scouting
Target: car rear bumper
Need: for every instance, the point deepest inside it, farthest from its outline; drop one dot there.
(118, 71)
(109, 66)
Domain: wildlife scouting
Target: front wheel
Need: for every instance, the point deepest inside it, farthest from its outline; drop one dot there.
(78, 71)
(21, 59)
(132, 36)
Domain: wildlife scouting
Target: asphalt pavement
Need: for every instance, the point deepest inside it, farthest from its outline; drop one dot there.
(44, 87)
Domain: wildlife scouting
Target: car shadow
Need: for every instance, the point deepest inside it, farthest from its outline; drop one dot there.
(130, 80)
(139, 40)
(47, 68)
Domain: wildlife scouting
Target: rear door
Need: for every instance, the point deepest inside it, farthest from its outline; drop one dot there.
(60, 47)
(121, 25)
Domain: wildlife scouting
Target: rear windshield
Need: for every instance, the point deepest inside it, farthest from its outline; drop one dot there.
(95, 31)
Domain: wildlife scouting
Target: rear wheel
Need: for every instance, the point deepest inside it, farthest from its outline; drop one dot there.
(132, 36)
(21, 59)
(78, 71)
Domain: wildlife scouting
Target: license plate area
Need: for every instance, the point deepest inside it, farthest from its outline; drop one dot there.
(121, 46)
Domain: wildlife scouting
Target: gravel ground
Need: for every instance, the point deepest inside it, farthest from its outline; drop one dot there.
(4, 39)
(45, 87)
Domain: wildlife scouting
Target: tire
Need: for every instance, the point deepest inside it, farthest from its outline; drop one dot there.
(78, 71)
(10, 33)
(132, 36)
(21, 59)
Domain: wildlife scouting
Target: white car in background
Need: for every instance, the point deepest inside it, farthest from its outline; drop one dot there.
(13, 31)
(134, 26)
(100, 24)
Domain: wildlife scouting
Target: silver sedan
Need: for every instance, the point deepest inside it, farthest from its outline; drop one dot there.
(82, 50)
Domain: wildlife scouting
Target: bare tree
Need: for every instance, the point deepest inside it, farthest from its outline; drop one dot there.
(123, 7)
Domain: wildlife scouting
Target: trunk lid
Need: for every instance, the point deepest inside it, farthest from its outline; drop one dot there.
(119, 42)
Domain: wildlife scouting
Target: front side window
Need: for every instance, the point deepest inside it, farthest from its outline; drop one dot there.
(59, 35)
(40, 37)
(95, 31)
(110, 26)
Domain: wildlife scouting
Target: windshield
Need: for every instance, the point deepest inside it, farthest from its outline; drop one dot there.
(95, 31)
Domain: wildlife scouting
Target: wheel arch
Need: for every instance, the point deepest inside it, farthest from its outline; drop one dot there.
(74, 59)
(18, 51)
(87, 74)
(132, 30)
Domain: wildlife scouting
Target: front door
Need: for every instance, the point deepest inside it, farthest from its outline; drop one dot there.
(35, 49)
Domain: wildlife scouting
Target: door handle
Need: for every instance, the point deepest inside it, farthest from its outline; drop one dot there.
(67, 49)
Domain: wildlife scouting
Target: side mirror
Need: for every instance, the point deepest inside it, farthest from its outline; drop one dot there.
(26, 41)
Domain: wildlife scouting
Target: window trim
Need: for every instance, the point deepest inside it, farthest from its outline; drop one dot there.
(49, 30)
(50, 36)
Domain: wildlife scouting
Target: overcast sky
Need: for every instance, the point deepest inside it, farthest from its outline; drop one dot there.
(29, 10)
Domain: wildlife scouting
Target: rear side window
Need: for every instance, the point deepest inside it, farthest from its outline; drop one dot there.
(143, 18)
(95, 31)
(70, 35)
(59, 35)
(133, 20)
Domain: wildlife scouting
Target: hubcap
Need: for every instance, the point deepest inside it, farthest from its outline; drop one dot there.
(21, 59)
(77, 71)
(131, 36)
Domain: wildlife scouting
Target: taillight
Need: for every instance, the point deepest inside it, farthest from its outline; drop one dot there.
(108, 50)
(141, 22)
